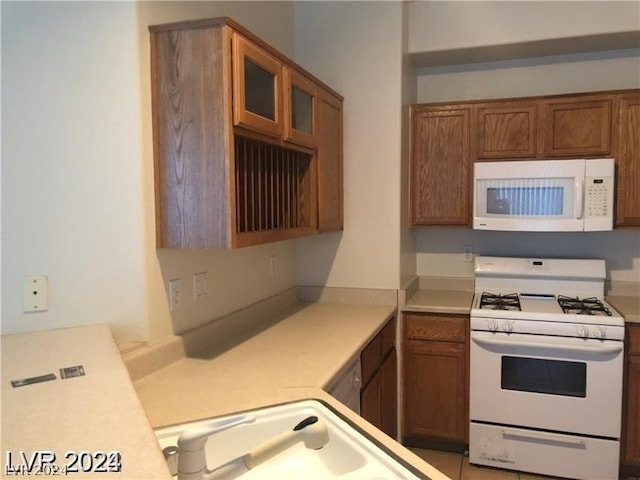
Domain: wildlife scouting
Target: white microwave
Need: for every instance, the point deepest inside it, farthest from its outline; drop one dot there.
(544, 195)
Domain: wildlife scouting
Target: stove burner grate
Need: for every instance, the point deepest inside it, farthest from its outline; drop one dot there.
(492, 301)
(585, 306)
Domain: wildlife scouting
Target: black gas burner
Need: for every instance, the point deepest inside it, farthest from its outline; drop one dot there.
(493, 301)
(585, 306)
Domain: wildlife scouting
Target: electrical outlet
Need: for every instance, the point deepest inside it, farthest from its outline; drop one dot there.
(175, 294)
(467, 251)
(200, 286)
(35, 293)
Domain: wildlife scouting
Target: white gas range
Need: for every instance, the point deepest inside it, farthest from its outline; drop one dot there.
(546, 368)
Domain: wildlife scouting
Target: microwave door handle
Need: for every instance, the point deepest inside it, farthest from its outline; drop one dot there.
(579, 199)
(616, 348)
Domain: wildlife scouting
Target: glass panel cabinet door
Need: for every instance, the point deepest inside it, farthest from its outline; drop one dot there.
(257, 84)
(300, 109)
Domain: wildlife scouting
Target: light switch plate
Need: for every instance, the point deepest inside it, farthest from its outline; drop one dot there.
(175, 294)
(200, 286)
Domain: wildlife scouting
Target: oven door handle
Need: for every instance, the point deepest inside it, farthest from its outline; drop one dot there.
(616, 348)
(541, 437)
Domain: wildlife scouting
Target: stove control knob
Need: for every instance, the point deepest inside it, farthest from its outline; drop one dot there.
(600, 332)
(493, 325)
(583, 331)
(507, 326)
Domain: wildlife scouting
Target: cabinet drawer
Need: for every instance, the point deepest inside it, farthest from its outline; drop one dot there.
(388, 337)
(370, 358)
(633, 339)
(435, 327)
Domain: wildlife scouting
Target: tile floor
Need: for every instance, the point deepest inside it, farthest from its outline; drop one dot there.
(457, 467)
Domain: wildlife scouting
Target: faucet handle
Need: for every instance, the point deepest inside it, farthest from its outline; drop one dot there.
(192, 461)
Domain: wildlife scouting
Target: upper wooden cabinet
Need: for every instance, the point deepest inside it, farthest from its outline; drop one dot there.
(257, 87)
(300, 109)
(628, 162)
(447, 138)
(580, 126)
(330, 211)
(440, 165)
(507, 130)
(238, 140)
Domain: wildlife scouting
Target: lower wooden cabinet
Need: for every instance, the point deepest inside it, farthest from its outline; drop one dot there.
(630, 457)
(436, 381)
(378, 399)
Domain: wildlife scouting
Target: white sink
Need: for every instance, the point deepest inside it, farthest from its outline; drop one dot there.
(348, 455)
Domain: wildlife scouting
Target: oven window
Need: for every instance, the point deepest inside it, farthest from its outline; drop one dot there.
(535, 201)
(553, 377)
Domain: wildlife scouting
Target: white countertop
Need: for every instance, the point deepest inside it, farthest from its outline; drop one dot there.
(293, 359)
(306, 349)
(96, 412)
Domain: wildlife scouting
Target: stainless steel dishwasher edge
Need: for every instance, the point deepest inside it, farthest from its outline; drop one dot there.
(347, 388)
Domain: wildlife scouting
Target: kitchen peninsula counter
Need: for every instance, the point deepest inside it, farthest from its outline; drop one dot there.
(88, 425)
(295, 355)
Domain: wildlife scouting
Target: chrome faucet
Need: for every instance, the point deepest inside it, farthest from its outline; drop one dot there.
(192, 463)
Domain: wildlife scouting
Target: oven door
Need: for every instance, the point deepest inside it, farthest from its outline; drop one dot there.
(560, 384)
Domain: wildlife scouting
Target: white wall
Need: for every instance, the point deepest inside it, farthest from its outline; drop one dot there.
(72, 204)
(77, 191)
(409, 96)
(356, 47)
(585, 72)
(439, 250)
(451, 25)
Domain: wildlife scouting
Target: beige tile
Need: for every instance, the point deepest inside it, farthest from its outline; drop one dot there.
(447, 463)
(473, 472)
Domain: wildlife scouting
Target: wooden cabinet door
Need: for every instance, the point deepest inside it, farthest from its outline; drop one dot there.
(506, 130)
(300, 105)
(435, 378)
(435, 393)
(378, 398)
(370, 401)
(632, 440)
(631, 414)
(628, 163)
(257, 88)
(440, 167)
(330, 189)
(580, 126)
(389, 395)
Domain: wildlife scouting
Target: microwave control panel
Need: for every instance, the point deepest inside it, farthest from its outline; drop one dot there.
(598, 197)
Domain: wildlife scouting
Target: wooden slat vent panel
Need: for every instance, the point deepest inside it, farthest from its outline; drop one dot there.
(272, 187)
